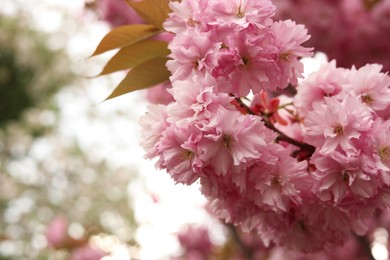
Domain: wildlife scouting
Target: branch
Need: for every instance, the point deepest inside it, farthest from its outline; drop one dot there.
(247, 251)
(281, 136)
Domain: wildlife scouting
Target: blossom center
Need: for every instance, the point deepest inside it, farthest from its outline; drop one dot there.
(338, 129)
(191, 22)
(384, 153)
(345, 176)
(366, 99)
(302, 226)
(227, 140)
(275, 181)
(245, 60)
(239, 13)
(285, 56)
(187, 154)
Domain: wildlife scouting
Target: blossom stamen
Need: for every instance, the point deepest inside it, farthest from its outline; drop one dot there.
(367, 99)
(240, 14)
(384, 153)
(345, 176)
(226, 139)
(187, 154)
(338, 129)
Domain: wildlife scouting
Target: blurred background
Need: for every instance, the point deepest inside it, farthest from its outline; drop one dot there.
(73, 181)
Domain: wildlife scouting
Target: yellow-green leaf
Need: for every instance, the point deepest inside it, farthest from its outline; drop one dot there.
(143, 76)
(135, 54)
(152, 11)
(125, 35)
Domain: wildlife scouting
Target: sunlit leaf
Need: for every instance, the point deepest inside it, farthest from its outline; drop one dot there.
(135, 54)
(125, 35)
(152, 11)
(145, 75)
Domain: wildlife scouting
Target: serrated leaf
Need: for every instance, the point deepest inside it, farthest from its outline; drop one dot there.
(125, 35)
(135, 54)
(145, 75)
(152, 11)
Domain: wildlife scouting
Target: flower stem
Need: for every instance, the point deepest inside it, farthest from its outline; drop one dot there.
(309, 149)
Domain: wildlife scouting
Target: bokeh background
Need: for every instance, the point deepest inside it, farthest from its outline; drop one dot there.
(73, 181)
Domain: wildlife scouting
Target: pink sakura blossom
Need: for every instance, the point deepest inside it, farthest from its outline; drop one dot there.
(57, 232)
(196, 99)
(117, 13)
(256, 59)
(377, 149)
(335, 123)
(87, 252)
(233, 139)
(289, 38)
(341, 177)
(243, 63)
(242, 57)
(344, 29)
(154, 123)
(328, 81)
(241, 12)
(188, 14)
(179, 153)
(317, 227)
(371, 86)
(191, 54)
(196, 241)
(324, 167)
(159, 94)
(280, 187)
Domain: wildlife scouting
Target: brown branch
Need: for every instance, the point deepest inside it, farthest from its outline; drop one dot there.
(281, 136)
(364, 244)
(247, 251)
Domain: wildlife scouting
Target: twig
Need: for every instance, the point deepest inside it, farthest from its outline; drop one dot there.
(247, 251)
(281, 136)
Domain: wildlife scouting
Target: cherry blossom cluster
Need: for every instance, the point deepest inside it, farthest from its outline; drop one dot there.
(303, 172)
(344, 29)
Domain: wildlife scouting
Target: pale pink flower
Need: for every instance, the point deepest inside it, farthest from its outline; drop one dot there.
(191, 54)
(371, 86)
(289, 38)
(241, 13)
(187, 15)
(57, 232)
(153, 124)
(377, 148)
(247, 61)
(340, 177)
(196, 239)
(328, 81)
(280, 186)
(336, 123)
(87, 252)
(179, 154)
(233, 139)
(197, 99)
(344, 29)
(159, 94)
(316, 228)
(117, 13)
